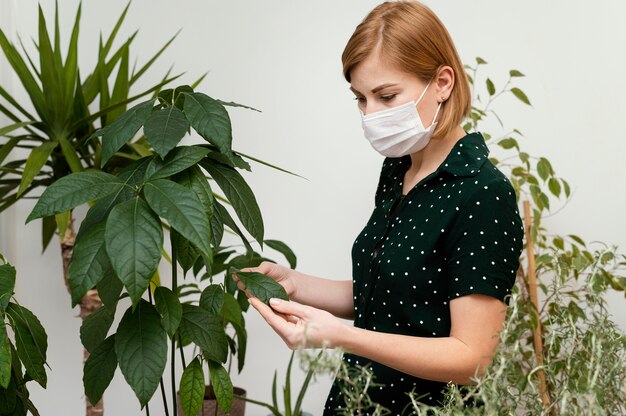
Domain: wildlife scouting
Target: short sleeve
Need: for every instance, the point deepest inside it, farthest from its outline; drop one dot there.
(485, 243)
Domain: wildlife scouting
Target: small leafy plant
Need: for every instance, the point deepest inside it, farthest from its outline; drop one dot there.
(289, 410)
(23, 359)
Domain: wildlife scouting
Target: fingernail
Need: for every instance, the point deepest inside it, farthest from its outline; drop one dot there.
(274, 301)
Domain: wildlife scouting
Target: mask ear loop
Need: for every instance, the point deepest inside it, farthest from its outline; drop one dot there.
(423, 92)
(436, 112)
(438, 107)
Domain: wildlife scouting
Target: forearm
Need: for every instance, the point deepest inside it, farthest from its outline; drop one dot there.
(440, 359)
(334, 296)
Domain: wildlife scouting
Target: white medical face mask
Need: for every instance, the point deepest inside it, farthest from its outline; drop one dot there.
(398, 131)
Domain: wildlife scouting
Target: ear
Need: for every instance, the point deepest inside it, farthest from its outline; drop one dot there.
(444, 82)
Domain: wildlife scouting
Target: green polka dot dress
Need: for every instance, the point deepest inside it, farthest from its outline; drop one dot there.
(457, 232)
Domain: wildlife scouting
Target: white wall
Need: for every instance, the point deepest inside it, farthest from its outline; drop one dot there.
(284, 58)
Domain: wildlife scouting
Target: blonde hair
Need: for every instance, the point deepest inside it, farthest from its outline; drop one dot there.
(411, 37)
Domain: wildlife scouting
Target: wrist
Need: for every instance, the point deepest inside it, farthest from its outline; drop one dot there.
(346, 338)
(295, 277)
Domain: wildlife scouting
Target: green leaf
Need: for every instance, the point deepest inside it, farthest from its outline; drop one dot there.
(7, 285)
(260, 285)
(515, 73)
(222, 385)
(31, 342)
(212, 299)
(284, 249)
(73, 190)
(555, 186)
(116, 134)
(240, 196)
(242, 338)
(5, 357)
(134, 240)
(491, 89)
(165, 128)
(543, 168)
(21, 70)
(179, 159)
(8, 400)
(558, 242)
(225, 218)
(192, 388)
(6, 148)
(566, 187)
(8, 129)
(230, 159)
(99, 369)
(170, 309)
(121, 86)
(193, 179)
(233, 104)
(71, 155)
(182, 209)
(95, 327)
(62, 220)
(577, 239)
(109, 289)
(231, 311)
(508, 143)
(141, 349)
(210, 119)
(204, 330)
(480, 60)
(520, 95)
(36, 160)
(48, 227)
(90, 262)
(186, 253)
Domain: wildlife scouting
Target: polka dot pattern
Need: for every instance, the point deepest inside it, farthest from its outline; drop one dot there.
(456, 232)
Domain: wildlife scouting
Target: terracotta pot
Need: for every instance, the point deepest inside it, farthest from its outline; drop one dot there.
(210, 403)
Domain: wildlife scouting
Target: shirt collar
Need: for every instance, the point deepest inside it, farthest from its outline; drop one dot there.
(466, 157)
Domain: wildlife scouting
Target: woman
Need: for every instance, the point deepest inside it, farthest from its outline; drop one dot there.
(434, 265)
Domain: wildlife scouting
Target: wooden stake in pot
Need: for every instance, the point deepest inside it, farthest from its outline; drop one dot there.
(532, 286)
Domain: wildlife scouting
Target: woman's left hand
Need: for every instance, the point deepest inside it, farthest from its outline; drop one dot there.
(300, 325)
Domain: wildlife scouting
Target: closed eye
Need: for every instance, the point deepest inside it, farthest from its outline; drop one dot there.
(388, 97)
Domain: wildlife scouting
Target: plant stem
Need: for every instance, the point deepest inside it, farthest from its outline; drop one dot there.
(167, 413)
(173, 353)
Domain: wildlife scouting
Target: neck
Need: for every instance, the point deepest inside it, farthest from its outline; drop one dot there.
(431, 156)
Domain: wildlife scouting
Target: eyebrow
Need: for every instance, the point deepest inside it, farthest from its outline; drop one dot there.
(375, 90)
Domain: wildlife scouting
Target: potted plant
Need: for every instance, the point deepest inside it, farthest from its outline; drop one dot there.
(120, 244)
(288, 409)
(23, 359)
(55, 133)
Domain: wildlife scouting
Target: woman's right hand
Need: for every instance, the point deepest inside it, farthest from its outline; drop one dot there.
(283, 275)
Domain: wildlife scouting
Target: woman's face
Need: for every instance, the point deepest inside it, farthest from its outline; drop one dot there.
(378, 85)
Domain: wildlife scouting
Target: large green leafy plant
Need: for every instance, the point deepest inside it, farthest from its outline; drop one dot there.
(121, 242)
(23, 359)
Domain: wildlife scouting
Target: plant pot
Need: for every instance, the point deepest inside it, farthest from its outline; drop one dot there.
(210, 403)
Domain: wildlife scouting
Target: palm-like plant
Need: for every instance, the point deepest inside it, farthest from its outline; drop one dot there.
(49, 137)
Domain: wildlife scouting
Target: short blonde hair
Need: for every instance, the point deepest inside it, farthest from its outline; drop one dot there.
(412, 38)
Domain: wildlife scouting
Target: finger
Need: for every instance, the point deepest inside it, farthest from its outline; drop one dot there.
(290, 307)
(277, 321)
